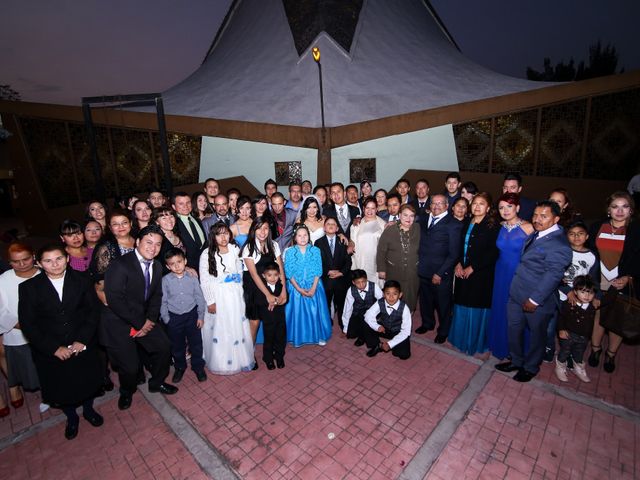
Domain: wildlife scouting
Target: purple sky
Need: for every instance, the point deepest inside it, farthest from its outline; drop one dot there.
(60, 51)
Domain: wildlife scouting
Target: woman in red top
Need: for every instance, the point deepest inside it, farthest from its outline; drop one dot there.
(617, 241)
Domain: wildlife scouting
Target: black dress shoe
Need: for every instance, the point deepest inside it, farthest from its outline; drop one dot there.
(374, 351)
(440, 339)
(507, 367)
(124, 402)
(201, 376)
(270, 366)
(422, 330)
(177, 375)
(280, 363)
(71, 431)
(94, 418)
(359, 342)
(523, 376)
(165, 388)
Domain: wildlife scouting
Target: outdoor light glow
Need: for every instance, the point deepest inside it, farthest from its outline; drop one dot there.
(316, 54)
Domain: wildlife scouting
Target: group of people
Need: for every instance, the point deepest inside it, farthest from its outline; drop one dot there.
(198, 280)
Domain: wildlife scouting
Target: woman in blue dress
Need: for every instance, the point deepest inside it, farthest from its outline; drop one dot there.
(242, 225)
(510, 241)
(308, 320)
(474, 278)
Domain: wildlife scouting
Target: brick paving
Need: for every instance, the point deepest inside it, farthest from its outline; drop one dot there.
(277, 424)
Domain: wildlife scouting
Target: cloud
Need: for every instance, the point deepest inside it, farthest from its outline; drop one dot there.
(35, 86)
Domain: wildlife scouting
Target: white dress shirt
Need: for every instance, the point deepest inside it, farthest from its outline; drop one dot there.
(405, 329)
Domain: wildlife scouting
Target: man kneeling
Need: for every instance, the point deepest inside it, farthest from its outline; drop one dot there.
(389, 322)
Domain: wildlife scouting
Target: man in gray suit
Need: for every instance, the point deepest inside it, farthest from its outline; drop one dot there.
(532, 297)
(285, 219)
(221, 213)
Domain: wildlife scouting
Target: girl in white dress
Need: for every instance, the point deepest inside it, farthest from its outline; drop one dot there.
(310, 216)
(226, 336)
(364, 239)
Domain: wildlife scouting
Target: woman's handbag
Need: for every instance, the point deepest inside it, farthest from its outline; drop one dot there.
(620, 312)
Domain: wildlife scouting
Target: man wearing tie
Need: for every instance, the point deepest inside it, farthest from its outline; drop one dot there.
(422, 202)
(336, 264)
(190, 229)
(285, 220)
(393, 207)
(221, 214)
(340, 210)
(440, 239)
(133, 290)
(532, 301)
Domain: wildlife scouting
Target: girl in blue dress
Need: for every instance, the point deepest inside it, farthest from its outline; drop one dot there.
(511, 237)
(307, 315)
(242, 225)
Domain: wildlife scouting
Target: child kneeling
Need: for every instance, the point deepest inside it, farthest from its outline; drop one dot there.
(360, 296)
(575, 325)
(389, 324)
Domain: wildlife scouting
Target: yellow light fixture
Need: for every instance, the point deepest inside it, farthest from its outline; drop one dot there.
(315, 51)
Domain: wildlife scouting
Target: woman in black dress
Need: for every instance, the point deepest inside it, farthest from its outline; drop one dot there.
(58, 313)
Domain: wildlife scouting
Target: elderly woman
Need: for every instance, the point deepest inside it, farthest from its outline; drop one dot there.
(474, 278)
(617, 241)
(59, 316)
(397, 254)
(364, 239)
(20, 369)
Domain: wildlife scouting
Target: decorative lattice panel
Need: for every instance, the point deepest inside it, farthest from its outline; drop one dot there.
(361, 169)
(472, 145)
(561, 138)
(514, 143)
(184, 156)
(613, 147)
(287, 172)
(51, 160)
(133, 159)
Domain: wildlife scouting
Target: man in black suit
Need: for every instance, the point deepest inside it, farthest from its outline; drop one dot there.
(336, 264)
(133, 289)
(192, 234)
(340, 210)
(422, 202)
(439, 250)
(285, 220)
(512, 183)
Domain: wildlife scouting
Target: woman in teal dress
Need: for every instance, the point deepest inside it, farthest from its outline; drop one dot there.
(308, 320)
(474, 278)
(510, 241)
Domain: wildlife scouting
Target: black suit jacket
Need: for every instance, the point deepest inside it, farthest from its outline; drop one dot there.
(340, 260)
(193, 251)
(439, 248)
(331, 211)
(421, 213)
(124, 289)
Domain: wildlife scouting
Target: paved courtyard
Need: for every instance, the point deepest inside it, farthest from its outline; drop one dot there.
(334, 413)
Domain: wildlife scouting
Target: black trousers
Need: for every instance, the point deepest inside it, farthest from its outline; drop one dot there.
(125, 359)
(401, 350)
(336, 291)
(182, 329)
(573, 346)
(436, 298)
(274, 329)
(357, 327)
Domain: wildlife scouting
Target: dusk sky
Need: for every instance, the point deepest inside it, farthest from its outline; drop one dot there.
(58, 52)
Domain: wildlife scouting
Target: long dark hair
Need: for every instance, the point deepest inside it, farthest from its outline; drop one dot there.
(250, 245)
(257, 199)
(305, 207)
(214, 249)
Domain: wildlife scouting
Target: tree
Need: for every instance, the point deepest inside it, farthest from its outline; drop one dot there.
(8, 93)
(602, 61)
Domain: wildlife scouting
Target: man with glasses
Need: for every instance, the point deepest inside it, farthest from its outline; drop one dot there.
(440, 239)
(221, 213)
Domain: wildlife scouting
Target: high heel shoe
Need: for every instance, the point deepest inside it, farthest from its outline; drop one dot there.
(609, 361)
(594, 358)
(17, 403)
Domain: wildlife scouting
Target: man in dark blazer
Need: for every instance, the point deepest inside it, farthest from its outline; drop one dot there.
(532, 296)
(512, 183)
(133, 289)
(336, 265)
(438, 254)
(422, 200)
(190, 229)
(285, 220)
(344, 213)
(221, 213)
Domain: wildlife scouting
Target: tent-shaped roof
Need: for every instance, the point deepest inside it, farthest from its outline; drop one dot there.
(379, 58)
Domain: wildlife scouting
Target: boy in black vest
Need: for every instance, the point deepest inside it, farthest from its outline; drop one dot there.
(389, 322)
(360, 296)
(273, 319)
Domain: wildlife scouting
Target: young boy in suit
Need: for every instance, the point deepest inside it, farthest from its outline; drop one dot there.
(389, 322)
(273, 319)
(360, 297)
